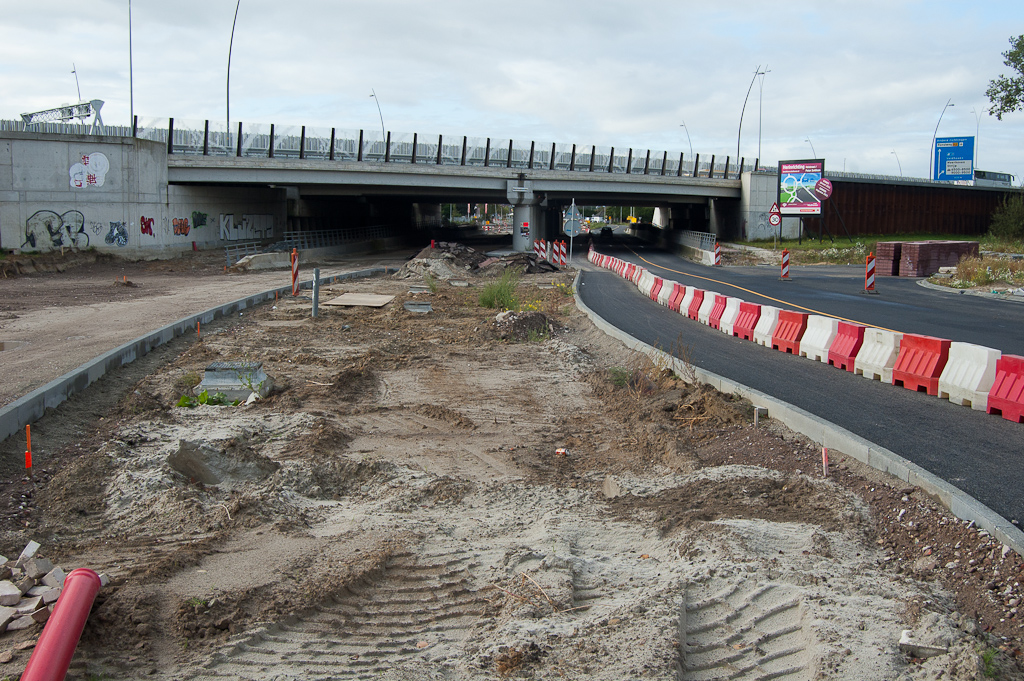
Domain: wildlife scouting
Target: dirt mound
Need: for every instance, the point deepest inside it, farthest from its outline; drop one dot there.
(522, 326)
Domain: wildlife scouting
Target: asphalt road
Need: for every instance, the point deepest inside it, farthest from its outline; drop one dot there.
(981, 454)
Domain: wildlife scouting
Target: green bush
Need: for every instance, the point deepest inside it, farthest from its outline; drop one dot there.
(1008, 219)
(501, 294)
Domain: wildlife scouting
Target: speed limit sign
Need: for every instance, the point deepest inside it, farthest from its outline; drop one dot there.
(774, 219)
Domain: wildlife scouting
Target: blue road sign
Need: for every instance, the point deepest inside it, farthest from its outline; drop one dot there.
(954, 159)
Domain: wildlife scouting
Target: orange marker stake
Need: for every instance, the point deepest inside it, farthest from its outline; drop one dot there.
(197, 330)
(28, 447)
(824, 461)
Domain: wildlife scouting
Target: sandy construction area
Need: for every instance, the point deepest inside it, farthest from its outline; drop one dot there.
(400, 507)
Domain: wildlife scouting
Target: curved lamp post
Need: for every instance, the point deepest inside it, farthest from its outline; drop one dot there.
(977, 135)
(231, 45)
(898, 162)
(931, 150)
(683, 126)
(739, 132)
(383, 136)
(808, 140)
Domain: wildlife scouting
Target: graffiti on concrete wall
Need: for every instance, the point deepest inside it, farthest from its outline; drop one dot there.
(251, 227)
(118, 234)
(90, 172)
(198, 219)
(181, 226)
(146, 225)
(46, 230)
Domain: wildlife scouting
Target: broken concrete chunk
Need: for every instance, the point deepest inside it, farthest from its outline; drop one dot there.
(54, 577)
(611, 488)
(27, 553)
(37, 567)
(20, 623)
(919, 650)
(27, 606)
(210, 466)
(104, 579)
(50, 595)
(10, 594)
(6, 615)
(41, 615)
(25, 583)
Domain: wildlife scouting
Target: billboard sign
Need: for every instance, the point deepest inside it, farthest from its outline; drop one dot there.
(953, 159)
(798, 187)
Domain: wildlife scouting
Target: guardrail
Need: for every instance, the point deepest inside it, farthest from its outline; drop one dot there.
(702, 240)
(328, 238)
(235, 252)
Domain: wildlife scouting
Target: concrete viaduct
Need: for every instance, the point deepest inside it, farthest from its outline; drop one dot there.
(144, 191)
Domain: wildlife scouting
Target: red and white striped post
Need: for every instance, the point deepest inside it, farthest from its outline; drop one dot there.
(536, 249)
(295, 272)
(785, 264)
(562, 253)
(869, 274)
(718, 254)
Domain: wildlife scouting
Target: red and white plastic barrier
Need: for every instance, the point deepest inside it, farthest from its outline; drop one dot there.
(718, 254)
(878, 354)
(706, 306)
(790, 330)
(817, 340)
(696, 302)
(869, 273)
(767, 322)
(969, 374)
(1007, 394)
(668, 288)
(746, 321)
(920, 363)
(676, 299)
(848, 342)
(785, 264)
(729, 316)
(717, 310)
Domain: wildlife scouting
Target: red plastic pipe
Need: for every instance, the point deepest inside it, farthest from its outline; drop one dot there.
(56, 646)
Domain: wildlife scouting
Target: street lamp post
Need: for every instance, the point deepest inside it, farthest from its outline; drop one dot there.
(231, 44)
(931, 150)
(739, 132)
(383, 136)
(760, 99)
(977, 135)
(687, 130)
(808, 140)
(898, 162)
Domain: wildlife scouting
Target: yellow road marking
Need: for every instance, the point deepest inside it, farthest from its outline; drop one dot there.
(755, 293)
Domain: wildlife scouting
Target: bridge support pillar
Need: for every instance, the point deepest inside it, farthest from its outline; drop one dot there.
(525, 214)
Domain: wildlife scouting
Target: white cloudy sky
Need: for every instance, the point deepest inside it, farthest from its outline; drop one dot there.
(859, 79)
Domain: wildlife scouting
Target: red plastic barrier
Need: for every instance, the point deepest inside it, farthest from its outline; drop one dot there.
(656, 289)
(695, 303)
(1007, 394)
(746, 320)
(637, 273)
(846, 345)
(715, 318)
(627, 273)
(789, 331)
(678, 291)
(920, 362)
(57, 643)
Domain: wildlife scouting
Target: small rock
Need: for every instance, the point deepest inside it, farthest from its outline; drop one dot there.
(25, 645)
(9, 593)
(55, 578)
(6, 656)
(37, 567)
(20, 623)
(41, 615)
(27, 553)
(25, 583)
(27, 606)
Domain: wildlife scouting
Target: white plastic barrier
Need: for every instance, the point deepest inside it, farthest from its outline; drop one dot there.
(684, 307)
(969, 375)
(637, 273)
(704, 311)
(732, 311)
(645, 282)
(766, 323)
(666, 292)
(877, 355)
(818, 337)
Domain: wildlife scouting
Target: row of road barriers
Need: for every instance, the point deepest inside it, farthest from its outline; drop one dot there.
(963, 373)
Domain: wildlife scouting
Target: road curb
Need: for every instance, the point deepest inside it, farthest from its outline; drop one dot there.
(31, 407)
(827, 434)
(964, 292)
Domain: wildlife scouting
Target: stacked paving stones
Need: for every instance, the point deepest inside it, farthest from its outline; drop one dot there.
(29, 588)
(919, 258)
(887, 258)
(924, 258)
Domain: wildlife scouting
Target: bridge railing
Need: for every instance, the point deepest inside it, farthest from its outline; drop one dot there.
(705, 241)
(258, 140)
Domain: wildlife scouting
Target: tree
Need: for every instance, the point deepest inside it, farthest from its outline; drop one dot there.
(1007, 94)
